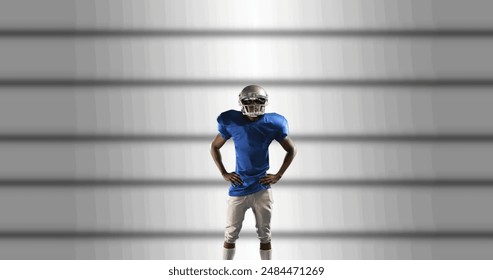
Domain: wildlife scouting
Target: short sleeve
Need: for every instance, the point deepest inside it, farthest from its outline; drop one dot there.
(222, 128)
(283, 130)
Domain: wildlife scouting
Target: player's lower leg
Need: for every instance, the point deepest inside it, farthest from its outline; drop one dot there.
(229, 251)
(265, 251)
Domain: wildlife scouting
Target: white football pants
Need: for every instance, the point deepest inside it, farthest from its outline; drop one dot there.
(261, 204)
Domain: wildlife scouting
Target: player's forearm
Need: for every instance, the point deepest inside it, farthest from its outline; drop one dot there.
(287, 161)
(216, 155)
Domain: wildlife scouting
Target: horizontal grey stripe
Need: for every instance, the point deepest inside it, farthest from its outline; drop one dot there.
(103, 138)
(33, 82)
(469, 234)
(246, 33)
(54, 138)
(411, 182)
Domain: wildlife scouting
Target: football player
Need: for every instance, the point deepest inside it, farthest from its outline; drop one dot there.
(252, 131)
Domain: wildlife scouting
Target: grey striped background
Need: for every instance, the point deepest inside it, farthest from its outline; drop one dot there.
(107, 110)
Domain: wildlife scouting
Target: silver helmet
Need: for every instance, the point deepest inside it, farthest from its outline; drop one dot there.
(253, 100)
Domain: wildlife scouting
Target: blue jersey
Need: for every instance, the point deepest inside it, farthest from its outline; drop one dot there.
(252, 140)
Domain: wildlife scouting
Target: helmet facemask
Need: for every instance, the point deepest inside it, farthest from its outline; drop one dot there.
(253, 100)
(253, 107)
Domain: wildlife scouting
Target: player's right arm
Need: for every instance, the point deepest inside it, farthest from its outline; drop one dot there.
(216, 145)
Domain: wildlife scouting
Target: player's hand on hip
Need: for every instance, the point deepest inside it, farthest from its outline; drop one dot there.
(233, 178)
(270, 179)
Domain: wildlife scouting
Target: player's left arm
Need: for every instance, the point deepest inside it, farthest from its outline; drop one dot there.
(288, 145)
